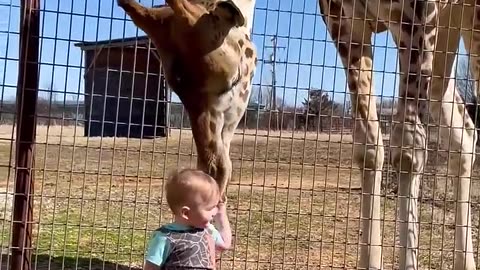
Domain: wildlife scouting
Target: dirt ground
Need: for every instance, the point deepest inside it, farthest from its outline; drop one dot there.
(294, 199)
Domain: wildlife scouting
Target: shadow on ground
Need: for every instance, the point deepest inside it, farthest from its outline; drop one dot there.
(44, 262)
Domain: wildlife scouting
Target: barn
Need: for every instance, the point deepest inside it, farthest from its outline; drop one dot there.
(125, 91)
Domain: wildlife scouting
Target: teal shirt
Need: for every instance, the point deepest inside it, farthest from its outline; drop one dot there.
(158, 246)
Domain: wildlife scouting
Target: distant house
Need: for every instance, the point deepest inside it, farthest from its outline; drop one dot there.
(125, 89)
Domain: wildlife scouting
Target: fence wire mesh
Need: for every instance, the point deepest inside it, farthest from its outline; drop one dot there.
(109, 131)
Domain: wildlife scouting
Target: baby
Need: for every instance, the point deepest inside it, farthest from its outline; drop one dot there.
(191, 240)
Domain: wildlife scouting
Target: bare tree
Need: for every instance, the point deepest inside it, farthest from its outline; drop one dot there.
(317, 106)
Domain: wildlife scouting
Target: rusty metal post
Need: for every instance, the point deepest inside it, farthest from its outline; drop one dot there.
(27, 93)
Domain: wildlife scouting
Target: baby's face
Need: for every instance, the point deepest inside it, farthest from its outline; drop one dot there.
(204, 212)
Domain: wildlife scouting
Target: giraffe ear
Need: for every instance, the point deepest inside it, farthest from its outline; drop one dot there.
(229, 10)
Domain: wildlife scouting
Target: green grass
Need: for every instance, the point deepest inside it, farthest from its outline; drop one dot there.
(95, 206)
(294, 230)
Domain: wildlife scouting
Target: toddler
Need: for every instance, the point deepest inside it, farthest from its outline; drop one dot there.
(191, 240)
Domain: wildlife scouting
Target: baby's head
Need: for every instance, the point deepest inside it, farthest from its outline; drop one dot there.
(193, 197)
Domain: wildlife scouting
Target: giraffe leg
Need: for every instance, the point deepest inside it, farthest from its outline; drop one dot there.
(415, 38)
(458, 136)
(461, 138)
(353, 44)
(457, 131)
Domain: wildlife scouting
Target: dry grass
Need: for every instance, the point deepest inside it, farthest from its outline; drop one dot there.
(294, 200)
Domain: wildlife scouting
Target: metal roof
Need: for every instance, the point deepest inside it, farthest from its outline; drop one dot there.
(119, 42)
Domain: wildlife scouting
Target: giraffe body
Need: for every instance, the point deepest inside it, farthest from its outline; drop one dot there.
(209, 61)
(427, 35)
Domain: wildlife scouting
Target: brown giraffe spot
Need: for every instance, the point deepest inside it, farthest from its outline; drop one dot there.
(335, 29)
(409, 95)
(244, 95)
(418, 8)
(352, 84)
(247, 37)
(213, 126)
(241, 43)
(407, 25)
(239, 111)
(356, 53)
(354, 59)
(429, 30)
(233, 44)
(248, 52)
(214, 113)
(431, 40)
(343, 49)
(414, 54)
(335, 9)
(411, 78)
(245, 71)
(396, 15)
(211, 145)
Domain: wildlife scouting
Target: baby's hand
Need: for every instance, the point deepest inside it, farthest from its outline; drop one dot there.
(222, 211)
(223, 225)
(222, 207)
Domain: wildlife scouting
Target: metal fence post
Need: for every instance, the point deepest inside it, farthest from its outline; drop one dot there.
(27, 93)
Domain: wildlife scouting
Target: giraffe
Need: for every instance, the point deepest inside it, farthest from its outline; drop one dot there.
(209, 61)
(427, 35)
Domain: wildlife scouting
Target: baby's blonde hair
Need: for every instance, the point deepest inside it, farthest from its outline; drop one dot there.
(188, 187)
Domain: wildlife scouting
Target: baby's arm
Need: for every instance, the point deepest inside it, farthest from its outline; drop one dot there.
(150, 266)
(223, 227)
(157, 251)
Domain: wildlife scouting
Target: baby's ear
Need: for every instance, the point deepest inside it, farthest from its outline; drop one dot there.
(184, 212)
(228, 10)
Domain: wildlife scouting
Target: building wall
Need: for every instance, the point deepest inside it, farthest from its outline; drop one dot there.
(120, 102)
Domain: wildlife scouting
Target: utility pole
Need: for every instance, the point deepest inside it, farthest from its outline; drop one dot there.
(273, 60)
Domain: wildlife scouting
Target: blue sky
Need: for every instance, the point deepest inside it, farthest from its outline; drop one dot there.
(309, 59)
